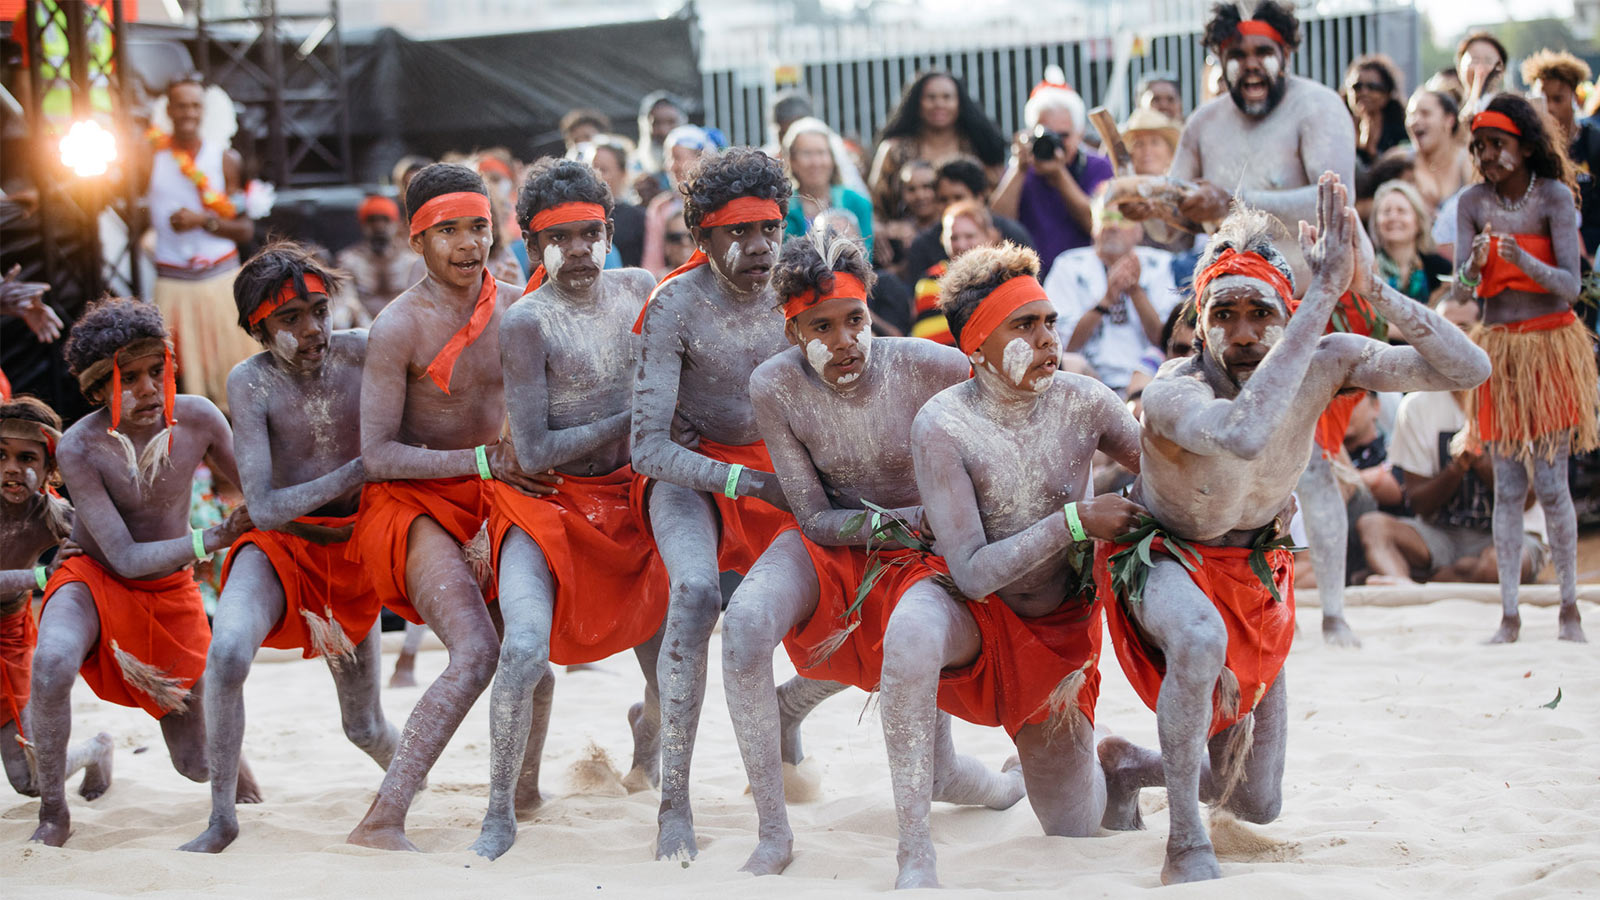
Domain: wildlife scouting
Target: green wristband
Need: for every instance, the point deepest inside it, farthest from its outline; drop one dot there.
(198, 536)
(731, 489)
(1074, 524)
(481, 453)
(41, 576)
(1461, 279)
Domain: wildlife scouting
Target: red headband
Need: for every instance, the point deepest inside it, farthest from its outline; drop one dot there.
(1253, 265)
(1258, 28)
(741, 210)
(495, 165)
(845, 287)
(377, 206)
(1491, 119)
(562, 213)
(997, 308)
(314, 285)
(445, 207)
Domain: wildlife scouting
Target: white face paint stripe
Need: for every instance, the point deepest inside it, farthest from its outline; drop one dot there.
(1016, 360)
(552, 260)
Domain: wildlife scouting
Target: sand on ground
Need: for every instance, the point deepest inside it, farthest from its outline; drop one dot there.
(1424, 764)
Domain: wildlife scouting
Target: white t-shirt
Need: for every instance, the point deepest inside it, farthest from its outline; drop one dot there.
(1077, 284)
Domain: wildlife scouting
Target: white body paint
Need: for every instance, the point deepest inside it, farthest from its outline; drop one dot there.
(597, 252)
(1232, 71)
(1016, 359)
(730, 260)
(31, 477)
(817, 355)
(284, 346)
(1270, 64)
(552, 260)
(1271, 336)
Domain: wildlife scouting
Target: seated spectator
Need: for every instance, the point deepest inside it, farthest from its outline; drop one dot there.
(380, 263)
(1112, 298)
(1051, 194)
(677, 243)
(685, 145)
(1396, 164)
(936, 120)
(1400, 228)
(1555, 76)
(582, 126)
(1449, 488)
(958, 181)
(815, 158)
(967, 224)
(608, 156)
(919, 211)
(1376, 97)
(1442, 164)
(1159, 91)
(1152, 141)
(1368, 449)
(890, 301)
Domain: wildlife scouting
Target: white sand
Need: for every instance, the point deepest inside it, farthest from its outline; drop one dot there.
(1420, 765)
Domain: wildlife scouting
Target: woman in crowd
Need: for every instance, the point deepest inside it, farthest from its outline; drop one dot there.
(1374, 94)
(1400, 226)
(1442, 164)
(815, 158)
(936, 120)
(683, 146)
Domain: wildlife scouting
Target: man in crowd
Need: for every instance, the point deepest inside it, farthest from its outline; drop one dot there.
(1160, 91)
(378, 263)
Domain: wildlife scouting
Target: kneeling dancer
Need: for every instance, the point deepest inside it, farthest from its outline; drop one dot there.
(1203, 632)
(836, 412)
(127, 613)
(1003, 465)
(287, 583)
(579, 577)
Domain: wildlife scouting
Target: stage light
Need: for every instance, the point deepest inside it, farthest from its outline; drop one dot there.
(88, 149)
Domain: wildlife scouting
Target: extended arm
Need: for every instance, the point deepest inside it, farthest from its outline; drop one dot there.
(1440, 356)
(1562, 278)
(271, 508)
(1119, 438)
(383, 400)
(540, 447)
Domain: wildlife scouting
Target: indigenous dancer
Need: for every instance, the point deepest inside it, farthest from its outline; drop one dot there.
(836, 412)
(33, 519)
(432, 405)
(127, 613)
(1203, 630)
(1539, 407)
(716, 504)
(579, 577)
(287, 583)
(1002, 465)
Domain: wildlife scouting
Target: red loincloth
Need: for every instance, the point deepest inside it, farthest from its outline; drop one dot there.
(18, 635)
(1499, 275)
(611, 587)
(1260, 629)
(160, 623)
(459, 506)
(318, 580)
(748, 525)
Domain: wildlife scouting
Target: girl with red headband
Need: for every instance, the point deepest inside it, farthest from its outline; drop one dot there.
(126, 614)
(33, 520)
(578, 575)
(289, 583)
(1539, 407)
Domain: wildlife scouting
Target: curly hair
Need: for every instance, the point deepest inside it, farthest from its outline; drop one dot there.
(1555, 65)
(107, 326)
(962, 170)
(438, 179)
(740, 172)
(551, 182)
(976, 275)
(282, 260)
(906, 120)
(1245, 230)
(1223, 26)
(809, 261)
(1540, 135)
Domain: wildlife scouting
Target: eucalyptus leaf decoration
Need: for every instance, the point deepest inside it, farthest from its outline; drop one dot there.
(1130, 566)
(1268, 540)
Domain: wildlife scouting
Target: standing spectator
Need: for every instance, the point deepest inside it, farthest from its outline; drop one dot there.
(677, 243)
(958, 181)
(1400, 228)
(1113, 298)
(194, 194)
(788, 107)
(380, 262)
(815, 158)
(1052, 178)
(1480, 59)
(1442, 163)
(1160, 91)
(685, 145)
(1447, 81)
(659, 114)
(1555, 75)
(1152, 140)
(919, 211)
(938, 121)
(608, 156)
(1376, 97)
(580, 126)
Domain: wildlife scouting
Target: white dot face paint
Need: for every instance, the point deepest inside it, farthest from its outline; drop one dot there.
(818, 355)
(1231, 69)
(1016, 360)
(552, 260)
(1271, 66)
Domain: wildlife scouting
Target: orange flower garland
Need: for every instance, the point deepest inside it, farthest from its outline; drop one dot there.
(210, 199)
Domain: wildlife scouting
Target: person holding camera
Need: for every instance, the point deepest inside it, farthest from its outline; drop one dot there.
(1049, 185)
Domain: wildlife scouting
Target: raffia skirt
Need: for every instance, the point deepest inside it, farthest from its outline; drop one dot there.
(1542, 382)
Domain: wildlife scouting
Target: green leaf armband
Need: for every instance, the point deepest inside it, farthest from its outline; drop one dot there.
(1074, 524)
(481, 454)
(731, 488)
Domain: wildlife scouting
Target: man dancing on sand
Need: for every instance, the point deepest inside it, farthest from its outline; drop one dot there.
(1203, 632)
(578, 574)
(432, 406)
(287, 583)
(127, 613)
(836, 412)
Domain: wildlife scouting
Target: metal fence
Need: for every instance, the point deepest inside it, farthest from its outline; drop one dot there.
(856, 95)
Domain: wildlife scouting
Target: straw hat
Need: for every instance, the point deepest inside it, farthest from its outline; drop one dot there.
(1146, 119)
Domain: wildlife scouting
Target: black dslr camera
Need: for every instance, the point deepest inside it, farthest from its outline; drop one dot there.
(1046, 143)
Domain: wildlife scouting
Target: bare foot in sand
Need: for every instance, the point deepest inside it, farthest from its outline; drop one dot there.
(499, 832)
(1571, 625)
(918, 868)
(217, 836)
(771, 857)
(405, 672)
(675, 837)
(53, 829)
(1510, 630)
(1124, 763)
(1337, 632)
(646, 771)
(1193, 864)
(248, 791)
(969, 782)
(381, 837)
(97, 772)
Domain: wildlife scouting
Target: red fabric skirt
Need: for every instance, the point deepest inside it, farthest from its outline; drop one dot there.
(459, 505)
(318, 580)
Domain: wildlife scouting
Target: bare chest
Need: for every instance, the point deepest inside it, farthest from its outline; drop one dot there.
(861, 448)
(718, 356)
(23, 537)
(314, 429)
(589, 360)
(1238, 153)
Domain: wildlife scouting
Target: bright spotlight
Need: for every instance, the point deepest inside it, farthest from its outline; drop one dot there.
(88, 149)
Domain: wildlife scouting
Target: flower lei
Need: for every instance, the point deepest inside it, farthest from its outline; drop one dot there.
(210, 199)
